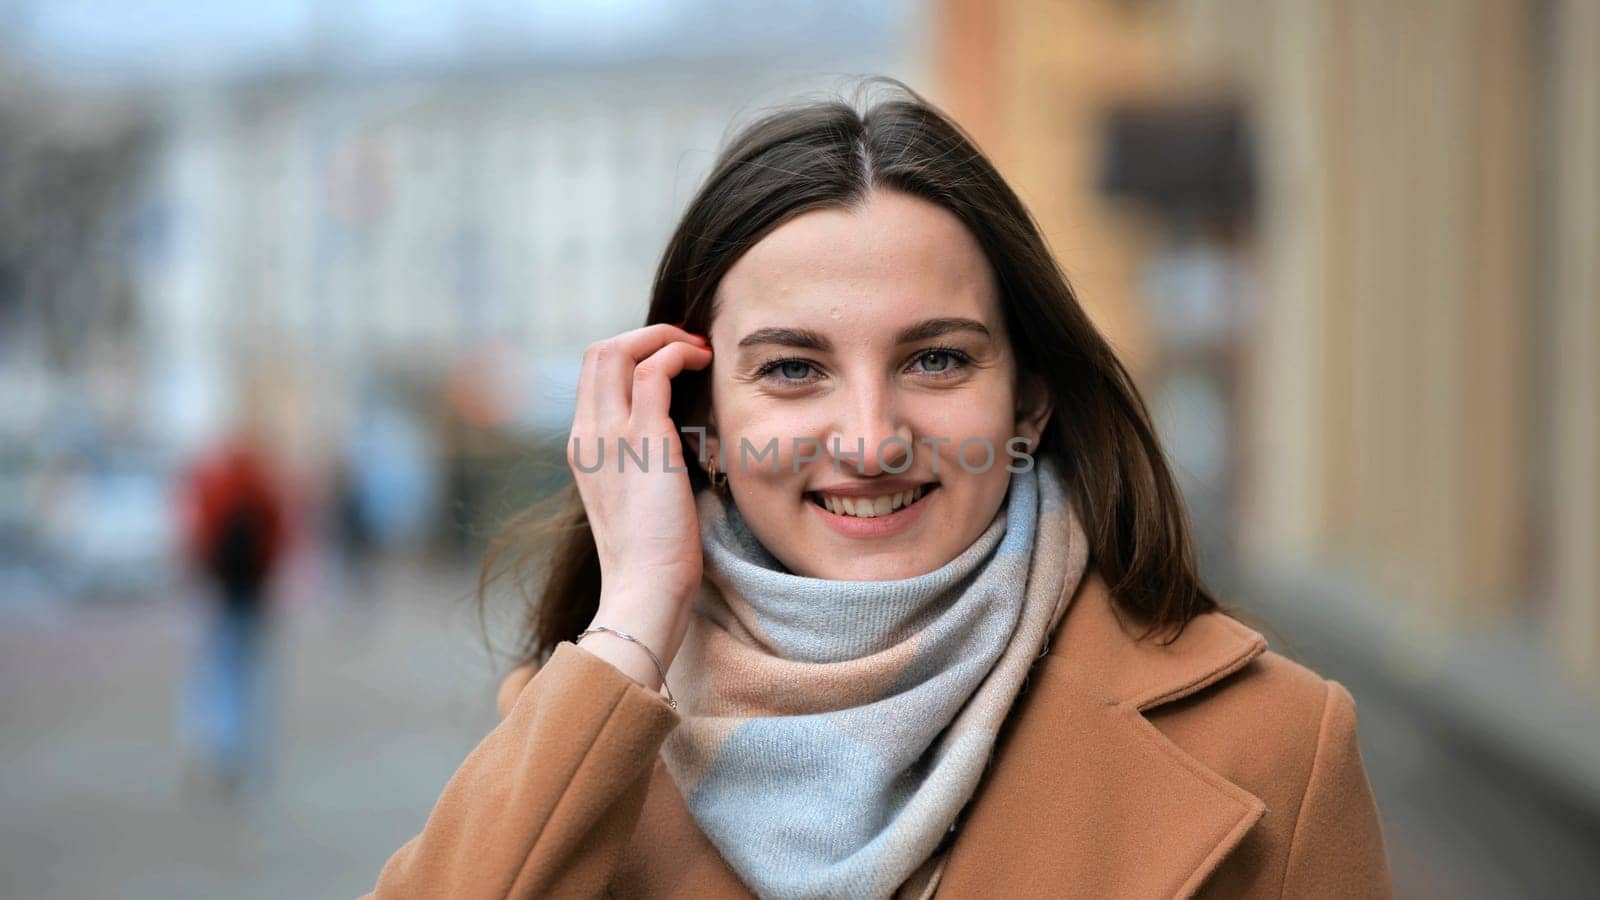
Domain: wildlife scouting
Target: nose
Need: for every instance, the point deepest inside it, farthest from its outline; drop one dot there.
(870, 436)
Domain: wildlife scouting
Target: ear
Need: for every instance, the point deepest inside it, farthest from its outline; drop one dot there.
(713, 449)
(692, 440)
(1034, 406)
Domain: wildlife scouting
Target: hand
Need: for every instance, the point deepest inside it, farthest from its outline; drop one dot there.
(645, 527)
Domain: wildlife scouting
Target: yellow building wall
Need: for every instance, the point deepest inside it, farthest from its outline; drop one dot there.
(1421, 397)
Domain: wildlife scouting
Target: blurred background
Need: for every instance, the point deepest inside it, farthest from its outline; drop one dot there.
(341, 260)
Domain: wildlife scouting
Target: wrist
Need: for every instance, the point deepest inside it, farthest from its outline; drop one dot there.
(634, 661)
(650, 616)
(633, 597)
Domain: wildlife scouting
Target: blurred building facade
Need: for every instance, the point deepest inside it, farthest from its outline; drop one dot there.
(1419, 396)
(392, 228)
(1430, 258)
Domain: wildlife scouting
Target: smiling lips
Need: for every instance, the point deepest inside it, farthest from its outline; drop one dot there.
(870, 507)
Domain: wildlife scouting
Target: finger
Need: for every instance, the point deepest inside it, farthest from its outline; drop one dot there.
(595, 396)
(609, 365)
(605, 382)
(652, 382)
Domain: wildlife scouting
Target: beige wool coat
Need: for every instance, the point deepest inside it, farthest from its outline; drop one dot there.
(1210, 767)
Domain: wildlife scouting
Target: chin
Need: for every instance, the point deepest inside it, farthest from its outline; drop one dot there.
(867, 569)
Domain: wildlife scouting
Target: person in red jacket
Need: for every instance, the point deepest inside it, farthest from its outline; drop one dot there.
(234, 518)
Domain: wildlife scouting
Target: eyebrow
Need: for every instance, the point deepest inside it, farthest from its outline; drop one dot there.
(806, 339)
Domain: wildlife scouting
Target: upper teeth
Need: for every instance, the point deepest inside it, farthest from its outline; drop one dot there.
(867, 507)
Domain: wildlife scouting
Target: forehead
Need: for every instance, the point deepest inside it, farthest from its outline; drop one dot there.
(896, 258)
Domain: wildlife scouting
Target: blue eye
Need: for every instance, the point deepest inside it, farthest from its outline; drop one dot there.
(794, 368)
(789, 370)
(940, 360)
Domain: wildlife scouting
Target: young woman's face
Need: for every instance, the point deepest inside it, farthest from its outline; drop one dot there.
(846, 331)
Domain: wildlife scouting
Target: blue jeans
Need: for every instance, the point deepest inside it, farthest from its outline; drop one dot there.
(225, 716)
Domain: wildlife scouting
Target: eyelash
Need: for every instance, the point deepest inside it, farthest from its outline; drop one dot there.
(960, 361)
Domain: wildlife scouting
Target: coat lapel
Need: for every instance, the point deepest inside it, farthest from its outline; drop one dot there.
(1083, 790)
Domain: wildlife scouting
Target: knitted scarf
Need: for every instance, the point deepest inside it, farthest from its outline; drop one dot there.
(831, 732)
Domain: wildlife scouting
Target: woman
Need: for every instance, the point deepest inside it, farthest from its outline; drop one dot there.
(914, 578)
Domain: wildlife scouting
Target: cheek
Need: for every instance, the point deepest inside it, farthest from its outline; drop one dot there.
(980, 485)
(753, 435)
(978, 424)
(982, 409)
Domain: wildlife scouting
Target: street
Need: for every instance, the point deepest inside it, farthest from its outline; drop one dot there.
(376, 705)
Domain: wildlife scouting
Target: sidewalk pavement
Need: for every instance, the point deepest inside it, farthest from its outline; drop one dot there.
(1482, 757)
(377, 702)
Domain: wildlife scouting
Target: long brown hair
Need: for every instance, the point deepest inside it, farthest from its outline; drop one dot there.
(830, 154)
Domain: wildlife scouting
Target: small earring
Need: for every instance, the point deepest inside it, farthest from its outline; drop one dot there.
(720, 487)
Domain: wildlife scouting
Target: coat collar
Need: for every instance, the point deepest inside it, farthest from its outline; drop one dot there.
(1100, 653)
(1083, 789)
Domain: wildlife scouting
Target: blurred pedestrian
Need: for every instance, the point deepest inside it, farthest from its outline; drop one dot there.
(234, 518)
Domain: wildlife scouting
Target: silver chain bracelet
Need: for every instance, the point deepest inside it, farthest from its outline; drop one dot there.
(653, 658)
